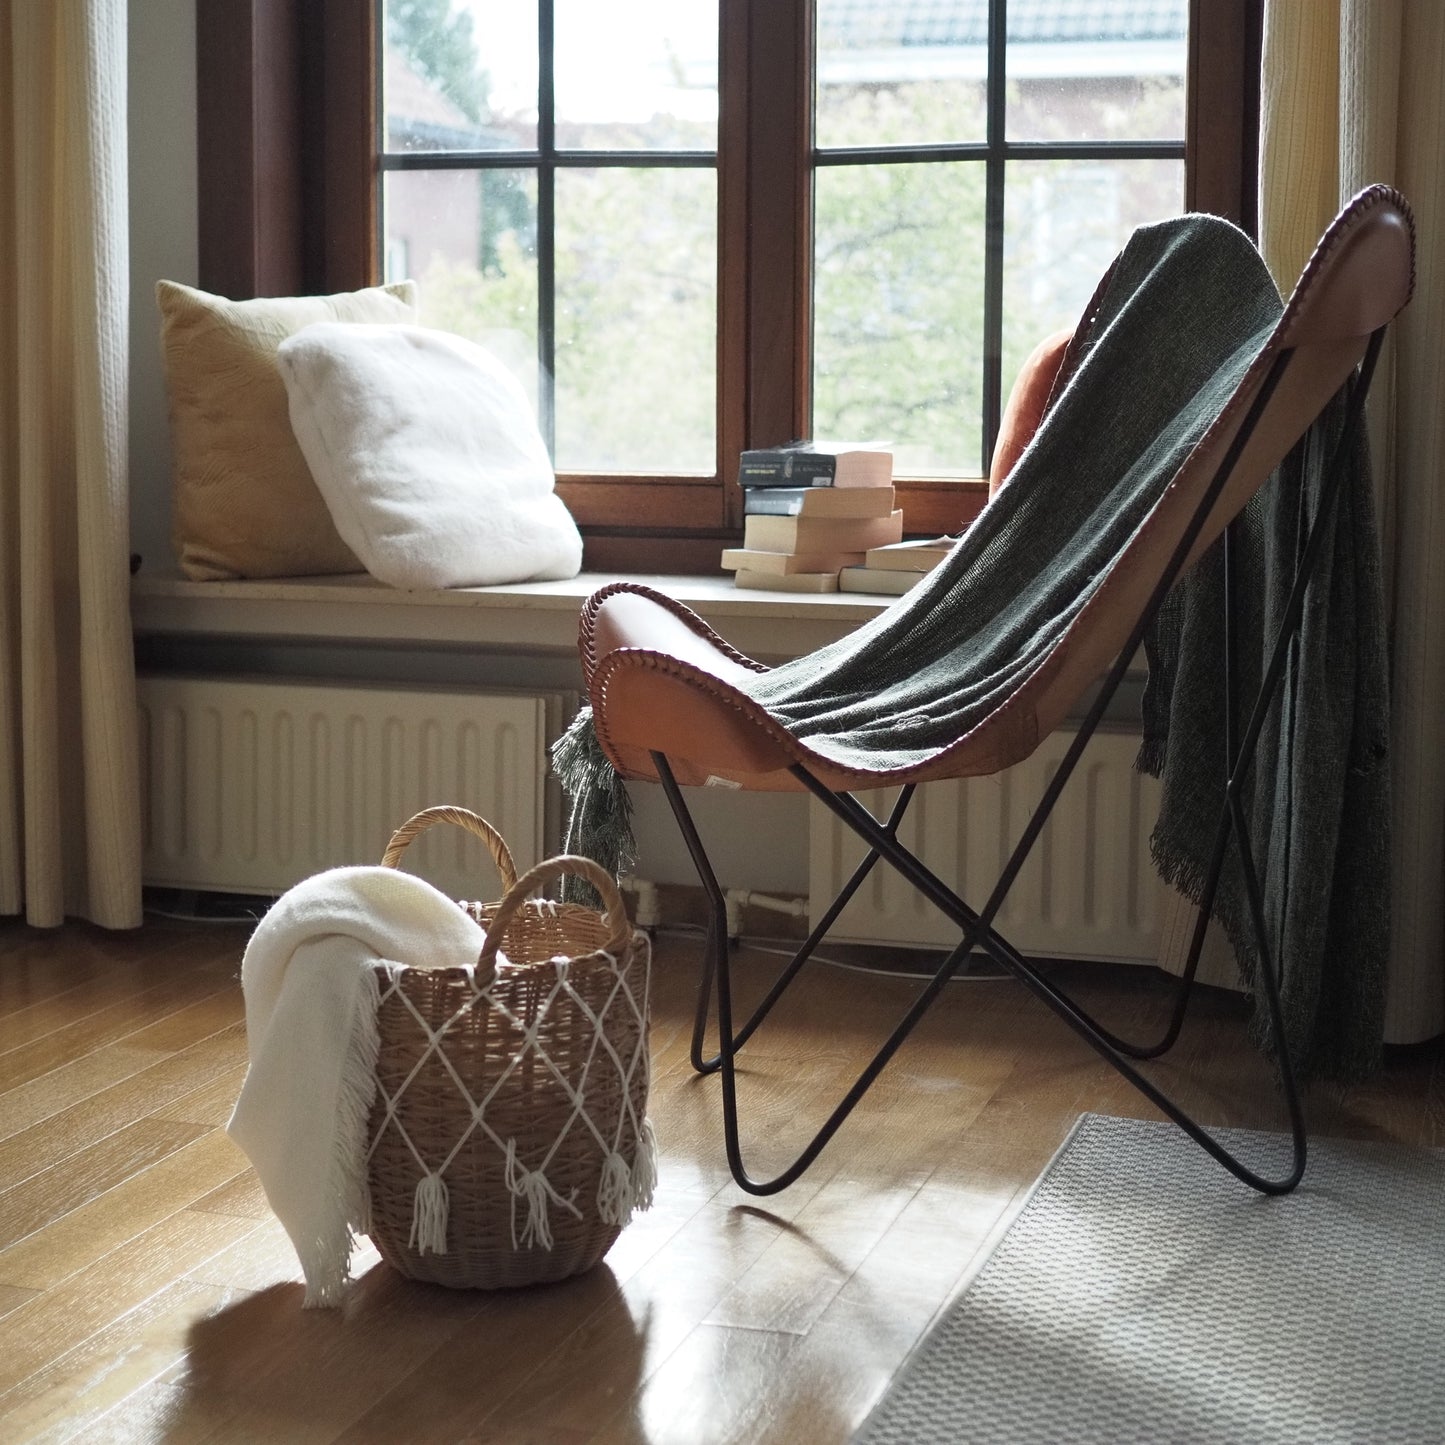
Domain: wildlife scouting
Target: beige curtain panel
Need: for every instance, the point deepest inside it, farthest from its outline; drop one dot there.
(1354, 92)
(69, 779)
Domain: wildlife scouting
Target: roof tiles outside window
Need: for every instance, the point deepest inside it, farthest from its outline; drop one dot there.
(849, 24)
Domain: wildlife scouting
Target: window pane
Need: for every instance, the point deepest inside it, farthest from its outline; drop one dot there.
(460, 76)
(1065, 221)
(636, 320)
(468, 239)
(900, 74)
(1097, 72)
(636, 74)
(898, 311)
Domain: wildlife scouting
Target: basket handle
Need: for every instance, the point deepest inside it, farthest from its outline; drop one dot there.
(545, 872)
(463, 818)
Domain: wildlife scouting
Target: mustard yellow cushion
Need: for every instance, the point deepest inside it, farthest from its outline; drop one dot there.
(245, 504)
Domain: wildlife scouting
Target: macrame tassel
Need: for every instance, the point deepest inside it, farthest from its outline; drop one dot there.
(429, 1216)
(599, 824)
(622, 1191)
(644, 1167)
(531, 1185)
(614, 1191)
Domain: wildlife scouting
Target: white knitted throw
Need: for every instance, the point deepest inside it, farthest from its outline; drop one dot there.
(311, 996)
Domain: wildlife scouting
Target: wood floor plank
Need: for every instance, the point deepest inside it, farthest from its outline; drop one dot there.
(835, 1375)
(76, 1180)
(92, 1392)
(88, 1233)
(85, 1124)
(266, 1259)
(221, 1012)
(213, 1102)
(540, 1343)
(157, 1411)
(789, 1287)
(33, 969)
(705, 1392)
(323, 1368)
(84, 983)
(243, 1196)
(579, 1382)
(12, 1298)
(170, 1307)
(118, 1021)
(43, 1098)
(57, 1321)
(448, 1394)
(652, 1230)
(88, 975)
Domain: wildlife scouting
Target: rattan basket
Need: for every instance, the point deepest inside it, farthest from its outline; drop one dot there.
(509, 1142)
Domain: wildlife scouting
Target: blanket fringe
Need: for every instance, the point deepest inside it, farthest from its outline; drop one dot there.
(327, 1262)
(599, 824)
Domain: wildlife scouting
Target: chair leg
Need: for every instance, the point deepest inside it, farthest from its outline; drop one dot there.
(977, 930)
(717, 973)
(716, 938)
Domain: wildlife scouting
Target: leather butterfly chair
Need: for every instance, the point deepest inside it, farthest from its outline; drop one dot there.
(671, 699)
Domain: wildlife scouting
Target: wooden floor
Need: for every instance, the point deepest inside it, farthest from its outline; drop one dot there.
(146, 1292)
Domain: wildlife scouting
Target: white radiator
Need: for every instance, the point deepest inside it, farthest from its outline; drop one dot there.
(1088, 890)
(250, 785)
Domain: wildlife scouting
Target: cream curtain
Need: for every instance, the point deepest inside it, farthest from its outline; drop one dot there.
(1354, 92)
(69, 781)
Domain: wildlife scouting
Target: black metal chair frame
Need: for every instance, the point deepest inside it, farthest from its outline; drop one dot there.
(977, 931)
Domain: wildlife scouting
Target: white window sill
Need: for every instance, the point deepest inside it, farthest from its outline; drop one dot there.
(528, 616)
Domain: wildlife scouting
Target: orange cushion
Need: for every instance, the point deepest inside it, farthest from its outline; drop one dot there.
(1027, 403)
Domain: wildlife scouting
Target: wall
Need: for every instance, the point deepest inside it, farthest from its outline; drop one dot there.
(162, 80)
(758, 842)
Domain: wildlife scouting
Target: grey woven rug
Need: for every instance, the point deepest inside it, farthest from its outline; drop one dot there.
(1143, 1294)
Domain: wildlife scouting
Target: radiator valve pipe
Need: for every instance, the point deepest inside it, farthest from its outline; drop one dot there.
(646, 907)
(736, 899)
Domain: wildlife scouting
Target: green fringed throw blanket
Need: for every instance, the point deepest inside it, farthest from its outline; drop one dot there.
(1186, 308)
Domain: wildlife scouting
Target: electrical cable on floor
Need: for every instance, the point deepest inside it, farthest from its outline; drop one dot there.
(205, 906)
(199, 919)
(770, 946)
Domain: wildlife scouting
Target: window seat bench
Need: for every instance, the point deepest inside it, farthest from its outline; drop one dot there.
(530, 617)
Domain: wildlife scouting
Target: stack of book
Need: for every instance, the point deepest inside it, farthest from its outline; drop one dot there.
(810, 510)
(896, 567)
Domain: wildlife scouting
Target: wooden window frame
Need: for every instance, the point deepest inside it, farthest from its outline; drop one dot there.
(287, 181)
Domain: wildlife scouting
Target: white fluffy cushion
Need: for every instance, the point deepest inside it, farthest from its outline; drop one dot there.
(426, 451)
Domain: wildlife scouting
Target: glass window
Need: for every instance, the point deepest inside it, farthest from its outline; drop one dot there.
(694, 226)
(977, 166)
(550, 183)
(437, 92)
